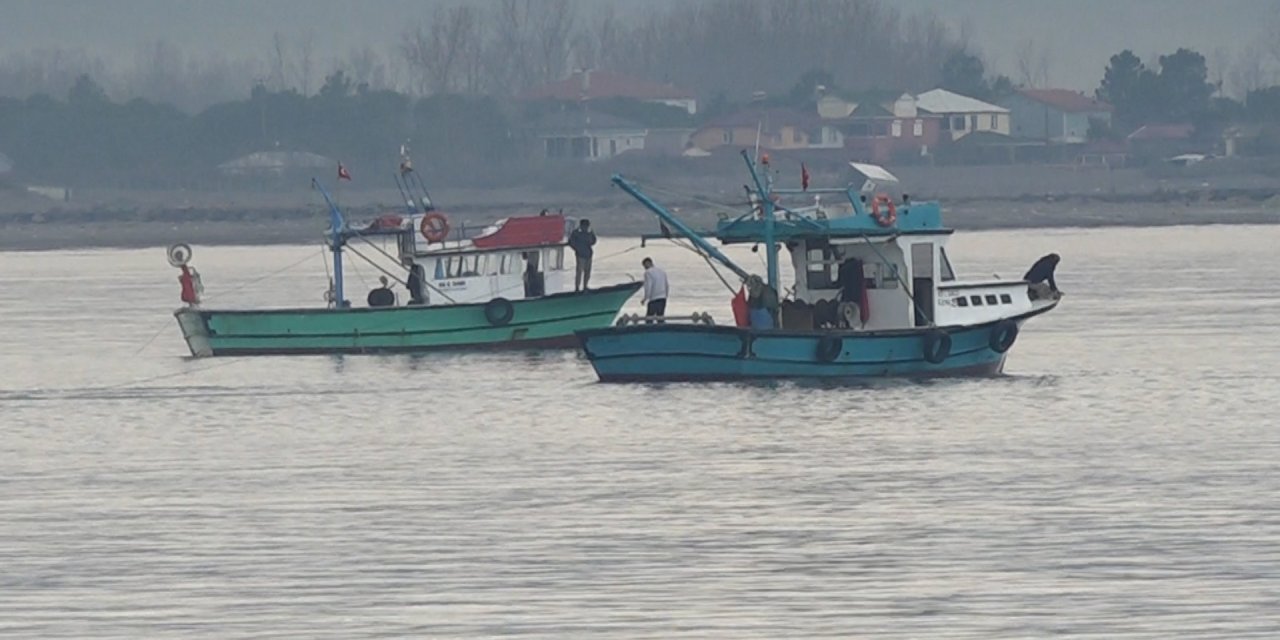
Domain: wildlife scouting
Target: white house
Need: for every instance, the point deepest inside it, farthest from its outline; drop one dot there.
(579, 134)
(962, 115)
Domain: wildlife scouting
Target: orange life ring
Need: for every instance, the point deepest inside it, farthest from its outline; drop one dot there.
(434, 227)
(890, 217)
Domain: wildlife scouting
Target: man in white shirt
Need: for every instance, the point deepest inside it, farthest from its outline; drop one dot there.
(655, 289)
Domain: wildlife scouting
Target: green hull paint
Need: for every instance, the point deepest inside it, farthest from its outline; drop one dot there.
(540, 322)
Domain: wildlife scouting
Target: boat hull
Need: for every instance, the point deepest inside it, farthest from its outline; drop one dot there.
(683, 353)
(546, 322)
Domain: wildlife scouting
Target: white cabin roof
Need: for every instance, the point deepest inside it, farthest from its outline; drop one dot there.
(943, 101)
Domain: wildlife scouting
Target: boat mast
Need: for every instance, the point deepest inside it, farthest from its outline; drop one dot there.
(680, 226)
(336, 240)
(766, 208)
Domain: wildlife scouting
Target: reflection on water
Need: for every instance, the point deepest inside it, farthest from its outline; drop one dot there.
(1116, 483)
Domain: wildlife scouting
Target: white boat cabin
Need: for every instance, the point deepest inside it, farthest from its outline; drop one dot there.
(908, 281)
(515, 258)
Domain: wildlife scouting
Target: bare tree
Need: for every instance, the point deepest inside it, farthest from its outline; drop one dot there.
(1025, 61)
(1248, 72)
(1043, 64)
(366, 68)
(439, 56)
(508, 51)
(552, 27)
(305, 70)
(277, 79)
(1219, 61)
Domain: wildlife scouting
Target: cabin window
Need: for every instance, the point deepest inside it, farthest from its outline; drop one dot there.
(896, 128)
(471, 265)
(1006, 299)
(947, 273)
(957, 123)
(727, 136)
(995, 122)
(973, 123)
(821, 269)
(976, 300)
(556, 258)
(991, 299)
(962, 301)
(885, 276)
(917, 128)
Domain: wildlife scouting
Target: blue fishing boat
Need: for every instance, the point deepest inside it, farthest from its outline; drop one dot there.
(874, 295)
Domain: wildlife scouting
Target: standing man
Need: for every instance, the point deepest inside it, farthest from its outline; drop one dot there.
(655, 289)
(581, 241)
(416, 282)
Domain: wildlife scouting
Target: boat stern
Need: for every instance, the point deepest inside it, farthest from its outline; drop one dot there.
(195, 330)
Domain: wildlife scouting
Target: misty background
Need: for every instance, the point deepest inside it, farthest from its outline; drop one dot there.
(1068, 42)
(158, 96)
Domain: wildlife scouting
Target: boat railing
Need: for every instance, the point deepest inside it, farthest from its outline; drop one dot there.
(635, 318)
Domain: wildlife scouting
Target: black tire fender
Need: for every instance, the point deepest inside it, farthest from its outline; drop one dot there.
(937, 346)
(1003, 336)
(499, 311)
(829, 348)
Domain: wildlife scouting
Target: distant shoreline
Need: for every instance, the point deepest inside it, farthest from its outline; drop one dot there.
(256, 228)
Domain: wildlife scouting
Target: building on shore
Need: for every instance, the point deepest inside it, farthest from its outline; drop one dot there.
(1057, 116)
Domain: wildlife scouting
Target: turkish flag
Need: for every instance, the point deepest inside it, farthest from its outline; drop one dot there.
(343, 174)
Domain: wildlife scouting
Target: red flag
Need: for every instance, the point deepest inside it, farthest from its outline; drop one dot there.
(343, 174)
(804, 177)
(741, 313)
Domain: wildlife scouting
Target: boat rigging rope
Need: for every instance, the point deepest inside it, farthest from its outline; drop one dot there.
(250, 283)
(212, 366)
(392, 275)
(234, 289)
(906, 289)
(395, 260)
(690, 197)
(683, 245)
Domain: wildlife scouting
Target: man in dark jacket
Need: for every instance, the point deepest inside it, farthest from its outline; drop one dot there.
(1043, 270)
(581, 241)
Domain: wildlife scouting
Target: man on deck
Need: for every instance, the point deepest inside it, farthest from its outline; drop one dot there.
(581, 241)
(655, 289)
(1043, 270)
(382, 296)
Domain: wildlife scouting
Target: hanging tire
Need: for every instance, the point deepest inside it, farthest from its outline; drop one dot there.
(499, 311)
(1003, 336)
(829, 348)
(937, 346)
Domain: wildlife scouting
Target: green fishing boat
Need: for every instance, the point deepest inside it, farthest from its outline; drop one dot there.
(501, 288)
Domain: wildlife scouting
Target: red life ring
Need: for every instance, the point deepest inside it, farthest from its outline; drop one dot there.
(434, 227)
(890, 217)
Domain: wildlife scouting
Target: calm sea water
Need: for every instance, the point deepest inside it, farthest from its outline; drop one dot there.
(1122, 481)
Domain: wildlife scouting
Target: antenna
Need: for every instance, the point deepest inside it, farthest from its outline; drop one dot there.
(759, 128)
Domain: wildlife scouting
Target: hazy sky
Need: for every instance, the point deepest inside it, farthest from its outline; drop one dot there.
(1079, 34)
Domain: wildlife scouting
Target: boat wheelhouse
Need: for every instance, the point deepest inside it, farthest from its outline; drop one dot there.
(515, 258)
